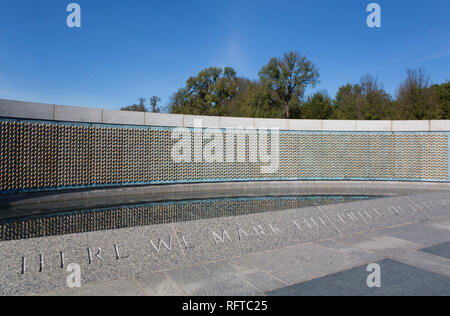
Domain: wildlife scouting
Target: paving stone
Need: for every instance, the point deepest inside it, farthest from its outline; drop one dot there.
(422, 260)
(300, 263)
(252, 275)
(213, 279)
(419, 233)
(158, 284)
(397, 279)
(441, 250)
(124, 287)
(378, 244)
(351, 251)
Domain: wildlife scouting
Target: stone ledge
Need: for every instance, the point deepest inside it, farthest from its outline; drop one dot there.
(161, 119)
(77, 114)
(123, 117)
(411, 126)
(335, 125)
(236, 122)
(373, 126)
(206, 121)
(27, 110)
(40, 111)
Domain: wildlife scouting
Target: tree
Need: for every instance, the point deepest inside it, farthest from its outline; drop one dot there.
(349, 102)
(136, 107)
(289, 76)
(377, 102)
(318, 106)
(254, 99)
(279, 93)
(415, 99)
(442, 96)
(154, 100)
(366, 100)
(208, 93)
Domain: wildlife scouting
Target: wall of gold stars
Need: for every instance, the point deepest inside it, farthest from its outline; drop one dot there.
(40, 155)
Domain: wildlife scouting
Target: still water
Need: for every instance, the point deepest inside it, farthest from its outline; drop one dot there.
(154, 213)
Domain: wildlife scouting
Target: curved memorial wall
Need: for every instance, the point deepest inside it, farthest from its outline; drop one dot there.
(50, 147)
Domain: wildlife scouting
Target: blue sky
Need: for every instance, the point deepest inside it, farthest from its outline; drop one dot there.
(128, 49)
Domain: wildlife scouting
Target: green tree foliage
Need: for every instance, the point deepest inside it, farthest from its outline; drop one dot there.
(318, 106)
(136, 107)
(366, 100)
(289, 76)
(279, 93)
(154, 100)
(349, 102)
(442, 96)
(254, 100)
(208, 93)
(415, 98)
(377, 102)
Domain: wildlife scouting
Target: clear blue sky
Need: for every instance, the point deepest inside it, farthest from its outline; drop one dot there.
(128, 49)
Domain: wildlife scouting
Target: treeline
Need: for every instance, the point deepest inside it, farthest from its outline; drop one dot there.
(280, 93)
(141, 107)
